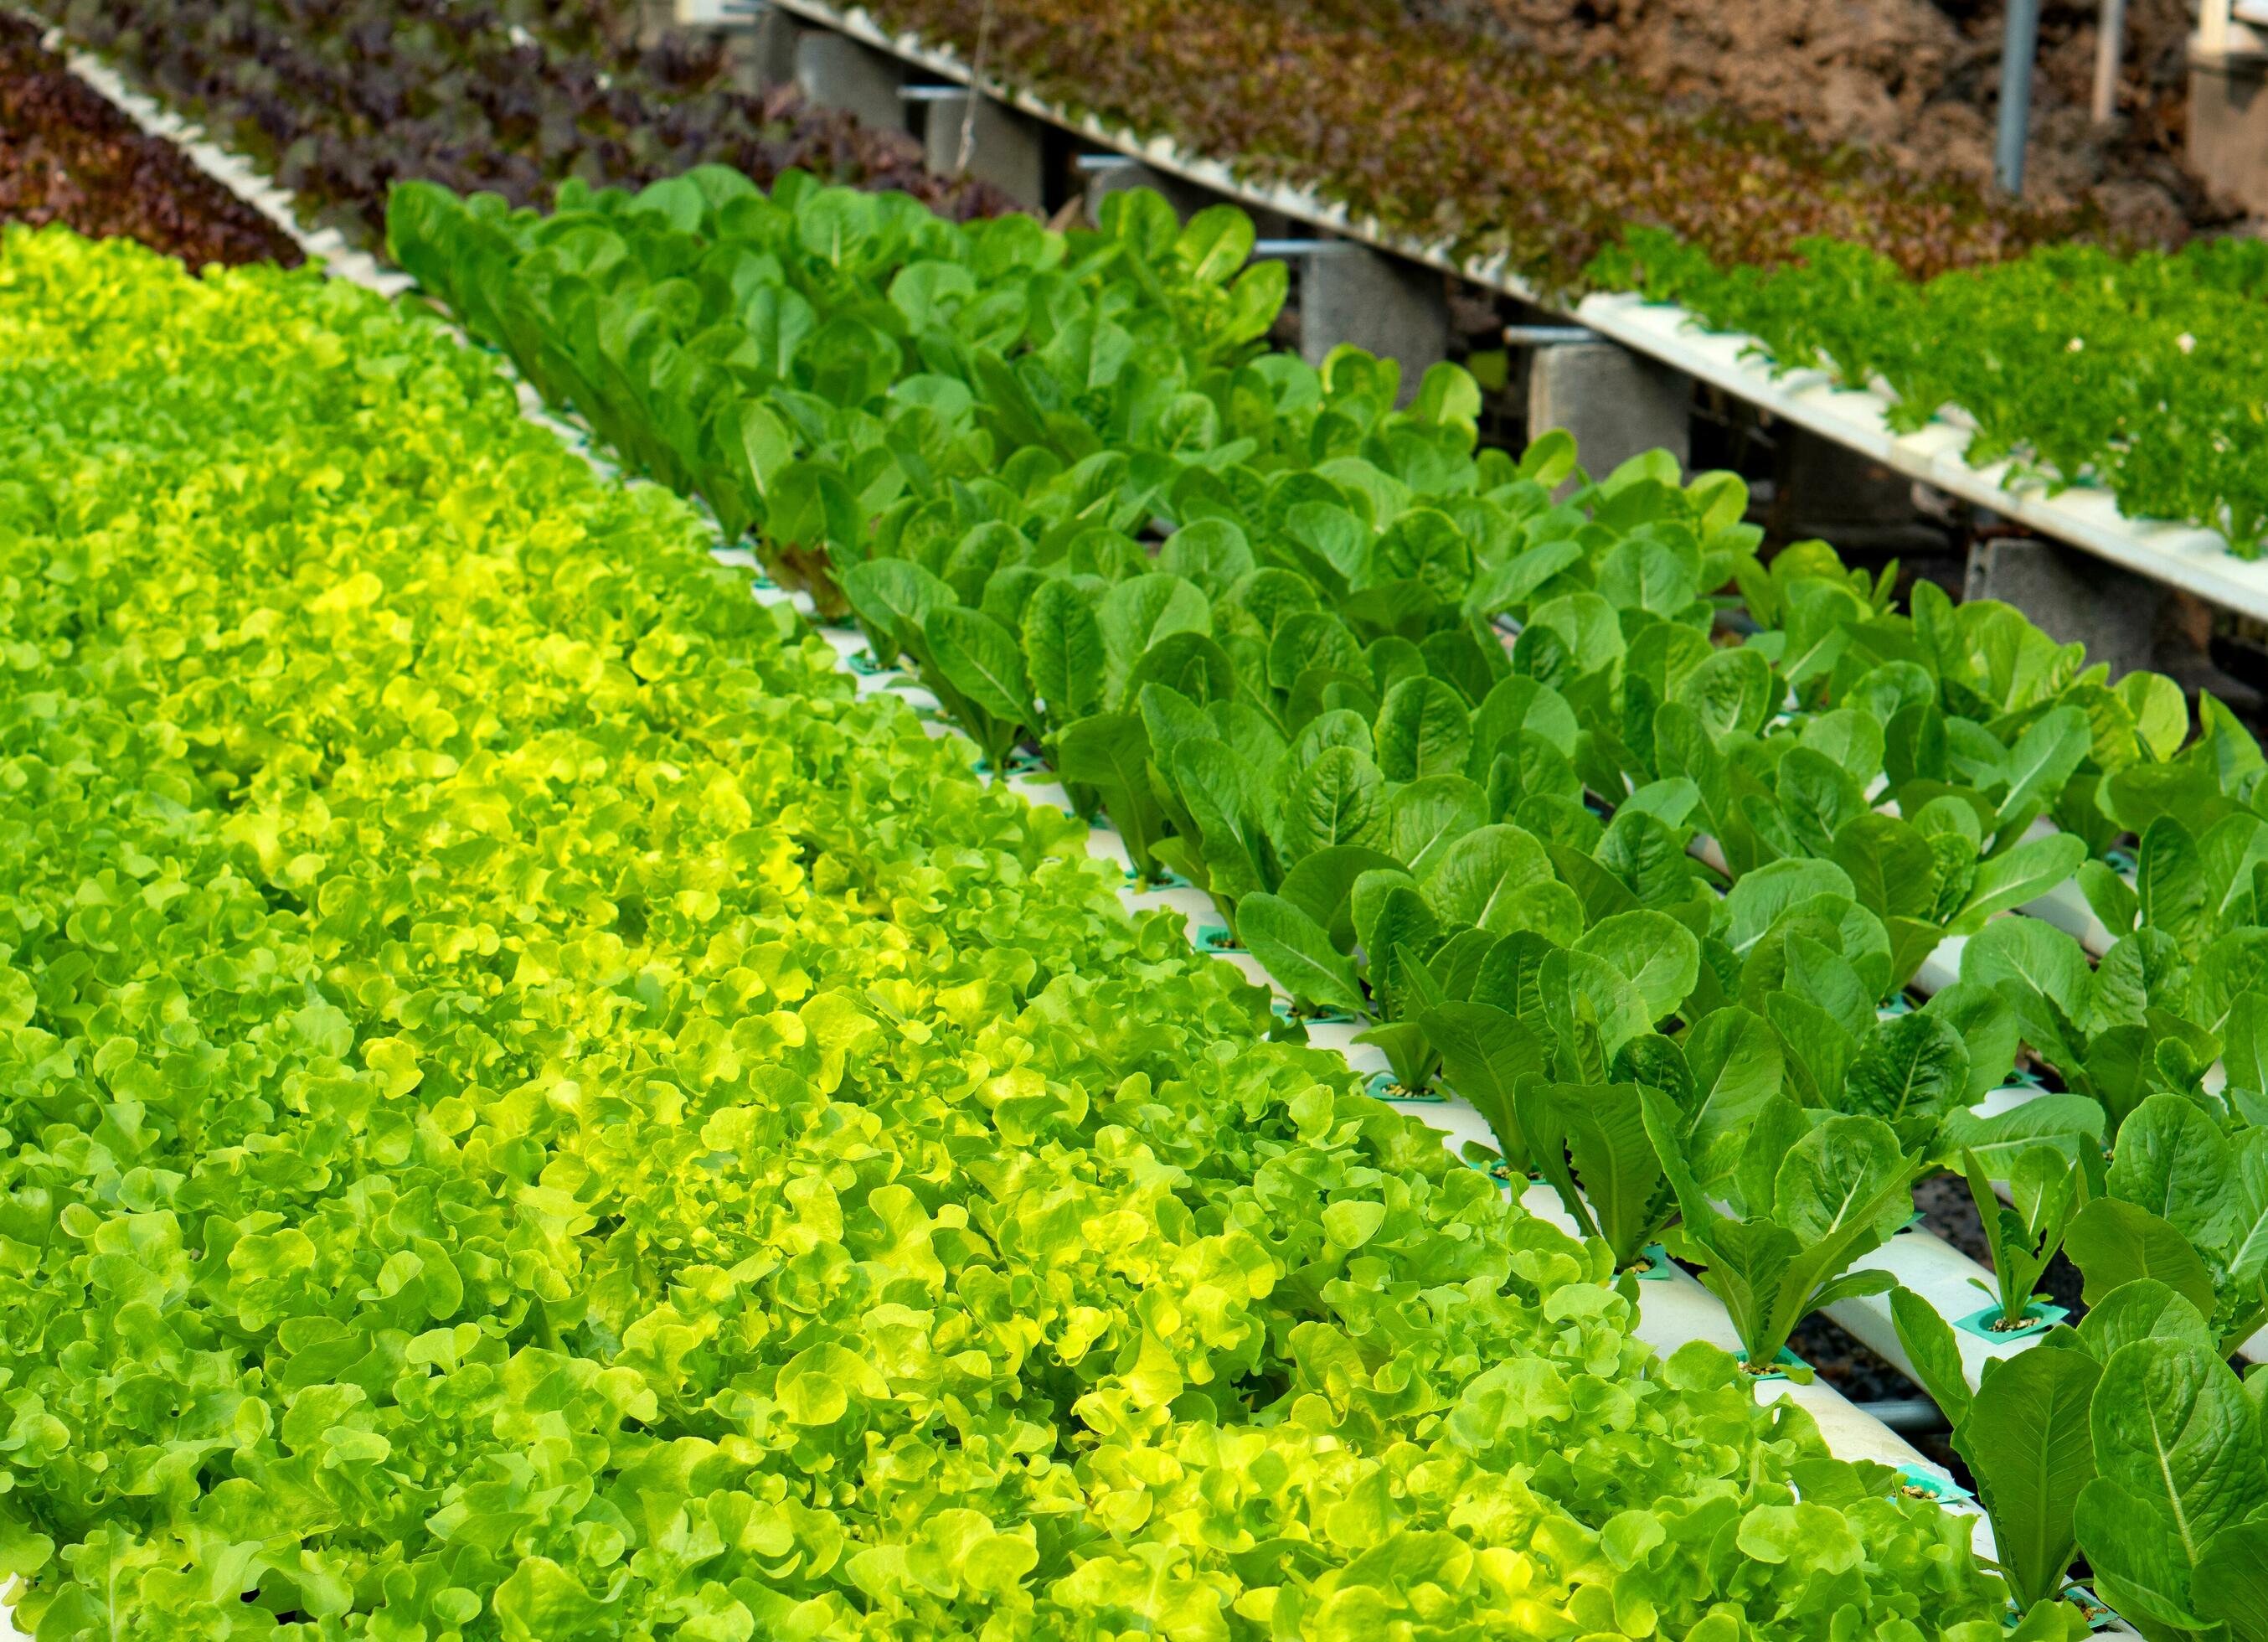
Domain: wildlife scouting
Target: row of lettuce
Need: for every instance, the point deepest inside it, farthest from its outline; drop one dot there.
(1264, 624)
(2081, 363)
(534, 1115)
(2137, 372)
(336, 100)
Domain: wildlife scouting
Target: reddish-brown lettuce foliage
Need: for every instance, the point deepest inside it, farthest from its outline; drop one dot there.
(1446, 136)
(339, 99)
(67, 156)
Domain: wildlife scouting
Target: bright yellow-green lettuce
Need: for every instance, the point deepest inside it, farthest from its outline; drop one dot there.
(531, 1114)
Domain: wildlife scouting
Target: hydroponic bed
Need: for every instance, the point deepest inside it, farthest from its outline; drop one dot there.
(1413, 833)
(485, 1207)
(549, 1107)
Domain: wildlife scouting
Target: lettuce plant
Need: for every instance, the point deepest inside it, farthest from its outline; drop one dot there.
(2078, 364)
(2127, 1439)
(2119, 1033)
(77, 159)
(2022, 1432)
(1592, 1142)
(1589, 1141)
(2187, 1204)
(338, 100)
(1805, 1199)
(2175, 1522)
(2049, 1185)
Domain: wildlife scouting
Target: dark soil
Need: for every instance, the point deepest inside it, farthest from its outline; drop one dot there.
(1948, 1209)
(1914, 81)
(67, 156)
(1847, 1366)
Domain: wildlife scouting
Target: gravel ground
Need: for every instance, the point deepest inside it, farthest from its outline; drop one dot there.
(1916, 81)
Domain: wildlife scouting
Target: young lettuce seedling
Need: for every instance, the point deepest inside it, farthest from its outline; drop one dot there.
(2049, 1184)
(969, 660)
(1213, 768)
(1108, 755)
(1397, 929)
(1808, 1198)
(979, 662)
(2023, 1433)
(1590, 1141)
(1535, 1009)
(2115, 1031)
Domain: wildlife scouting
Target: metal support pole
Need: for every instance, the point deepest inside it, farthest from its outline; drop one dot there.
(2110, 47)
(2019, 45)
(1907, 1413)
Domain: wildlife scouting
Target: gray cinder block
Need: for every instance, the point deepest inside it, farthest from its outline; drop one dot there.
(1618, 404)
(2073, 596)
(835, 71)
(1384, 305)
(1006, 149)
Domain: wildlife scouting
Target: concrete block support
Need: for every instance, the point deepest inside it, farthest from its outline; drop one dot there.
(2229, 124)
(761, 51)
(1824, 488)
(1385, 305)
(1006, 149)
(1617, 403)
(1103, 181)
(2073, 597)
(835, 71)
